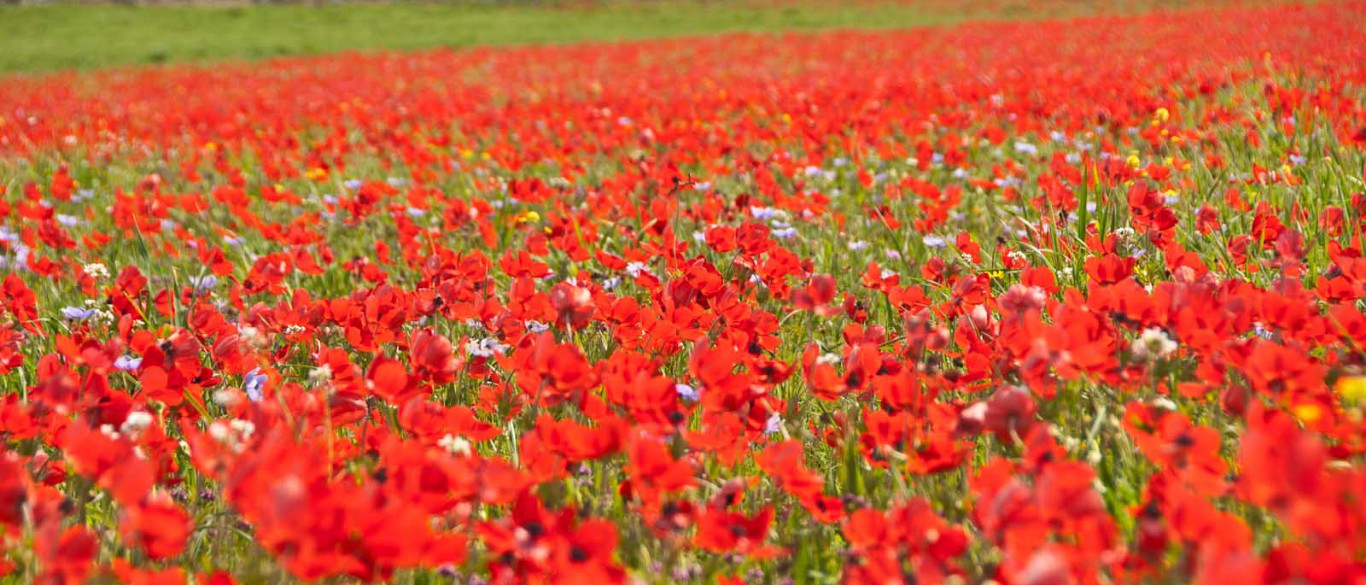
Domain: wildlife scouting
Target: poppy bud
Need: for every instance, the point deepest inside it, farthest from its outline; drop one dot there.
(1233, 400)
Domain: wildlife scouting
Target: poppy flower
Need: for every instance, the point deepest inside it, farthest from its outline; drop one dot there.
(926, 305)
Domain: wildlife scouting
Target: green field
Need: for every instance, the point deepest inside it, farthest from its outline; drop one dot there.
(70, 36)
(58, 37)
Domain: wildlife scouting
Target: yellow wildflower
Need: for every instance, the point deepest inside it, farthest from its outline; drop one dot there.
(1308, 413)
(1352, 388)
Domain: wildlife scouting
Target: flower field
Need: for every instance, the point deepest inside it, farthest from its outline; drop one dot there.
(1039, 303)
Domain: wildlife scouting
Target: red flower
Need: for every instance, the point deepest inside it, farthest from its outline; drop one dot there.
(720, 531)
(158, 526)
(573, 305)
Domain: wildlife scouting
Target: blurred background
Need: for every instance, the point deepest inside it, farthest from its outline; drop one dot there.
(41, 36)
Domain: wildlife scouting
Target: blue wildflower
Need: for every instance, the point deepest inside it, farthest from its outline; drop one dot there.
(687, 392)
(78, 313)
(254, 382)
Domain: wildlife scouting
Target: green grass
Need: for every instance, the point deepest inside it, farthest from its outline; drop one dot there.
(56, 37)
(60, 37)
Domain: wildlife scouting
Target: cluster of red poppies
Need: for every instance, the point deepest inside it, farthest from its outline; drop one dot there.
(1040, 303)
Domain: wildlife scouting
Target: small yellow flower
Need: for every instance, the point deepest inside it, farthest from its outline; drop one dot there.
(1163, 114)
(528, 217)
(316, 174)
(1134, 160)
(1352, 388)
(1308, 413)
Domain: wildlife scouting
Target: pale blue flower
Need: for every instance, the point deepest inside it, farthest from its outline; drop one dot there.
(485, 348)
(254, 382)
(773, 425)
(687, 392)
(763, 213)
(78, 313)
(203, 284)
(636, 268)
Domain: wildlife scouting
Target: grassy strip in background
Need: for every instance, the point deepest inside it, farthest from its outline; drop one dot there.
(69, 36)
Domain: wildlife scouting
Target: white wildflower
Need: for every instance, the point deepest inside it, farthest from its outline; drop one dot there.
(233, 434)
(1153, 343)
(485, 348)
(455, 445)
(96, 270)
(226, 397)
(243, 428)
(136, 422)
(320, 375)
(829, 358)
(1165, 404)
(252, 337)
